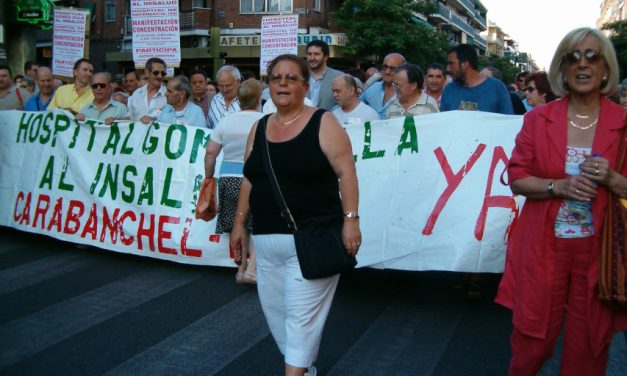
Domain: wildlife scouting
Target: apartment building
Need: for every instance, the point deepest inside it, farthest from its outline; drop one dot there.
(462, 21)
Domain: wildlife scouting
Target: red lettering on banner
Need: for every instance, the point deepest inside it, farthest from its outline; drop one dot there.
(489, 201)
(123, 238)
(113, 225)
(91, 227)
(184, 250)
(26, 211)
(56, 218)
(41, 211)
(163, 234)
(452, 181)
(73, 217)
(147, 232)
(214, 238)
(17, 217)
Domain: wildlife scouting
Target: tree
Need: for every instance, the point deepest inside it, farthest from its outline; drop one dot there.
(618, 36)
(507, 68)
(376, 28)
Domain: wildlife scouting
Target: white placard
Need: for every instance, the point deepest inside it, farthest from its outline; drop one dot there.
(430, 192)
(279, 35)
(155, 25)
(68, 40)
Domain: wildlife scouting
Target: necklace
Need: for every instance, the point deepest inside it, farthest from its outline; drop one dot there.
(287, 123)
(582, 116)
(584, 127)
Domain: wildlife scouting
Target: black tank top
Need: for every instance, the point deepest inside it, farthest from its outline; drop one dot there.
(307, 180)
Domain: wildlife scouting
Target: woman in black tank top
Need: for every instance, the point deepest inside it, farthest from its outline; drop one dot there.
(313, 162)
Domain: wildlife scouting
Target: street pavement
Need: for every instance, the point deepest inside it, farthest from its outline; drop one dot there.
(70, 311)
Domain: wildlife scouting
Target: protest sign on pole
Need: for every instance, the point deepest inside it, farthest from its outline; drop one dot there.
(278, 36)
(70, 40)
(430, 194)
(156, 31)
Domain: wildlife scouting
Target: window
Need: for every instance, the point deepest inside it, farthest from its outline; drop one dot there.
(198, 4)
(265, 6)
(109, 10)
(316, 5)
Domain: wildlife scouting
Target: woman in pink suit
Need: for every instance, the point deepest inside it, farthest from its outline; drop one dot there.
(564, 163)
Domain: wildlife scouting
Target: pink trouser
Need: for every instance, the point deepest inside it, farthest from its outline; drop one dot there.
(569, 294)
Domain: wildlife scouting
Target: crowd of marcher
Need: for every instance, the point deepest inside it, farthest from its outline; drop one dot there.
(564, 163)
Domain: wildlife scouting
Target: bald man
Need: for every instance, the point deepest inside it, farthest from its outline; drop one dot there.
(45, 84)
(382, 93)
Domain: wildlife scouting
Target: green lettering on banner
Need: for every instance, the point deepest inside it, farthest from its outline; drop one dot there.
(48, 174)
(61, 124)
(165, 200)
(110, 181)
(112, 141)
(154, 141)
(94, 184)
(145, 192)
(46, 128)
(182, 141)
(92, 135)
(32, 137)
(23, 127)
(62, 184)
(195, 191)
(125, 149)
(199, 140)
(130, 196)
(409, 130)
(367, 154)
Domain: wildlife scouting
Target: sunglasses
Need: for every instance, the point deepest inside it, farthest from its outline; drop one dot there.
(290, 78)
(591, 55)
(158, 73)
(98, 86)
(530, 89)
(386, 67)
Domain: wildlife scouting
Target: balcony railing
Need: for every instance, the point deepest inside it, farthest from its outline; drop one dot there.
(197, 18)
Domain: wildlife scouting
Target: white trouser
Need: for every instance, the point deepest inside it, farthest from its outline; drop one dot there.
(295, 308)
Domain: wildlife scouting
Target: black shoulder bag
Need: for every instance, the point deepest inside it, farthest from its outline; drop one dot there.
(319, 248)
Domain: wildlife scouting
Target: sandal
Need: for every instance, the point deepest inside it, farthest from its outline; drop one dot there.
(239, 278)
(250, 278)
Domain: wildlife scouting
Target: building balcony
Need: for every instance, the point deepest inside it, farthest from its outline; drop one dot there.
(189, 21)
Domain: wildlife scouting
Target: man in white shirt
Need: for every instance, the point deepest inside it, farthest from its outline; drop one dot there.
(146, 103)
(225, 102)
(350, 109)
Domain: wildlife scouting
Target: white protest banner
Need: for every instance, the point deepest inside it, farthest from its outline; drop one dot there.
(278, 36)
(430, 190)
(155, 26)
(68, 39)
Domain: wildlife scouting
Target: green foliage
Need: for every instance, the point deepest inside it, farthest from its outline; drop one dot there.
(507, 68)
(376, 28)
(618, 36)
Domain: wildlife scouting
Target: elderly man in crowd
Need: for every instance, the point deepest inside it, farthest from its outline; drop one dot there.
(410, 99)
(350, 109)
(200, 96)
(381, 93)
(131, 82)
(225, 102)
(45, 84)
(180, 110)
(321, 76)
(12, 97)
(470, 90)
(435, 81)
(103, 108)
(73, 97)
(146, 103)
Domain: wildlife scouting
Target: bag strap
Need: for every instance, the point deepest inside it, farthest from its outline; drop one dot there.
(622, 150)
(19, 96)
(276, 189)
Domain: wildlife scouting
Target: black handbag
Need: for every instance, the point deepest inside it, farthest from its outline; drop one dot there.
(319, 247)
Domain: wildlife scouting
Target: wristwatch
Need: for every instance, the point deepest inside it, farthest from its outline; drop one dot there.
(351, 215)
(549, 188)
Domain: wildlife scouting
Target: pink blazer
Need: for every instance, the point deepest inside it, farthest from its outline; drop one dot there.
(528, 278)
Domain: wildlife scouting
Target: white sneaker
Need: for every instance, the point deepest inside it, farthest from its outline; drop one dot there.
(311, 371)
